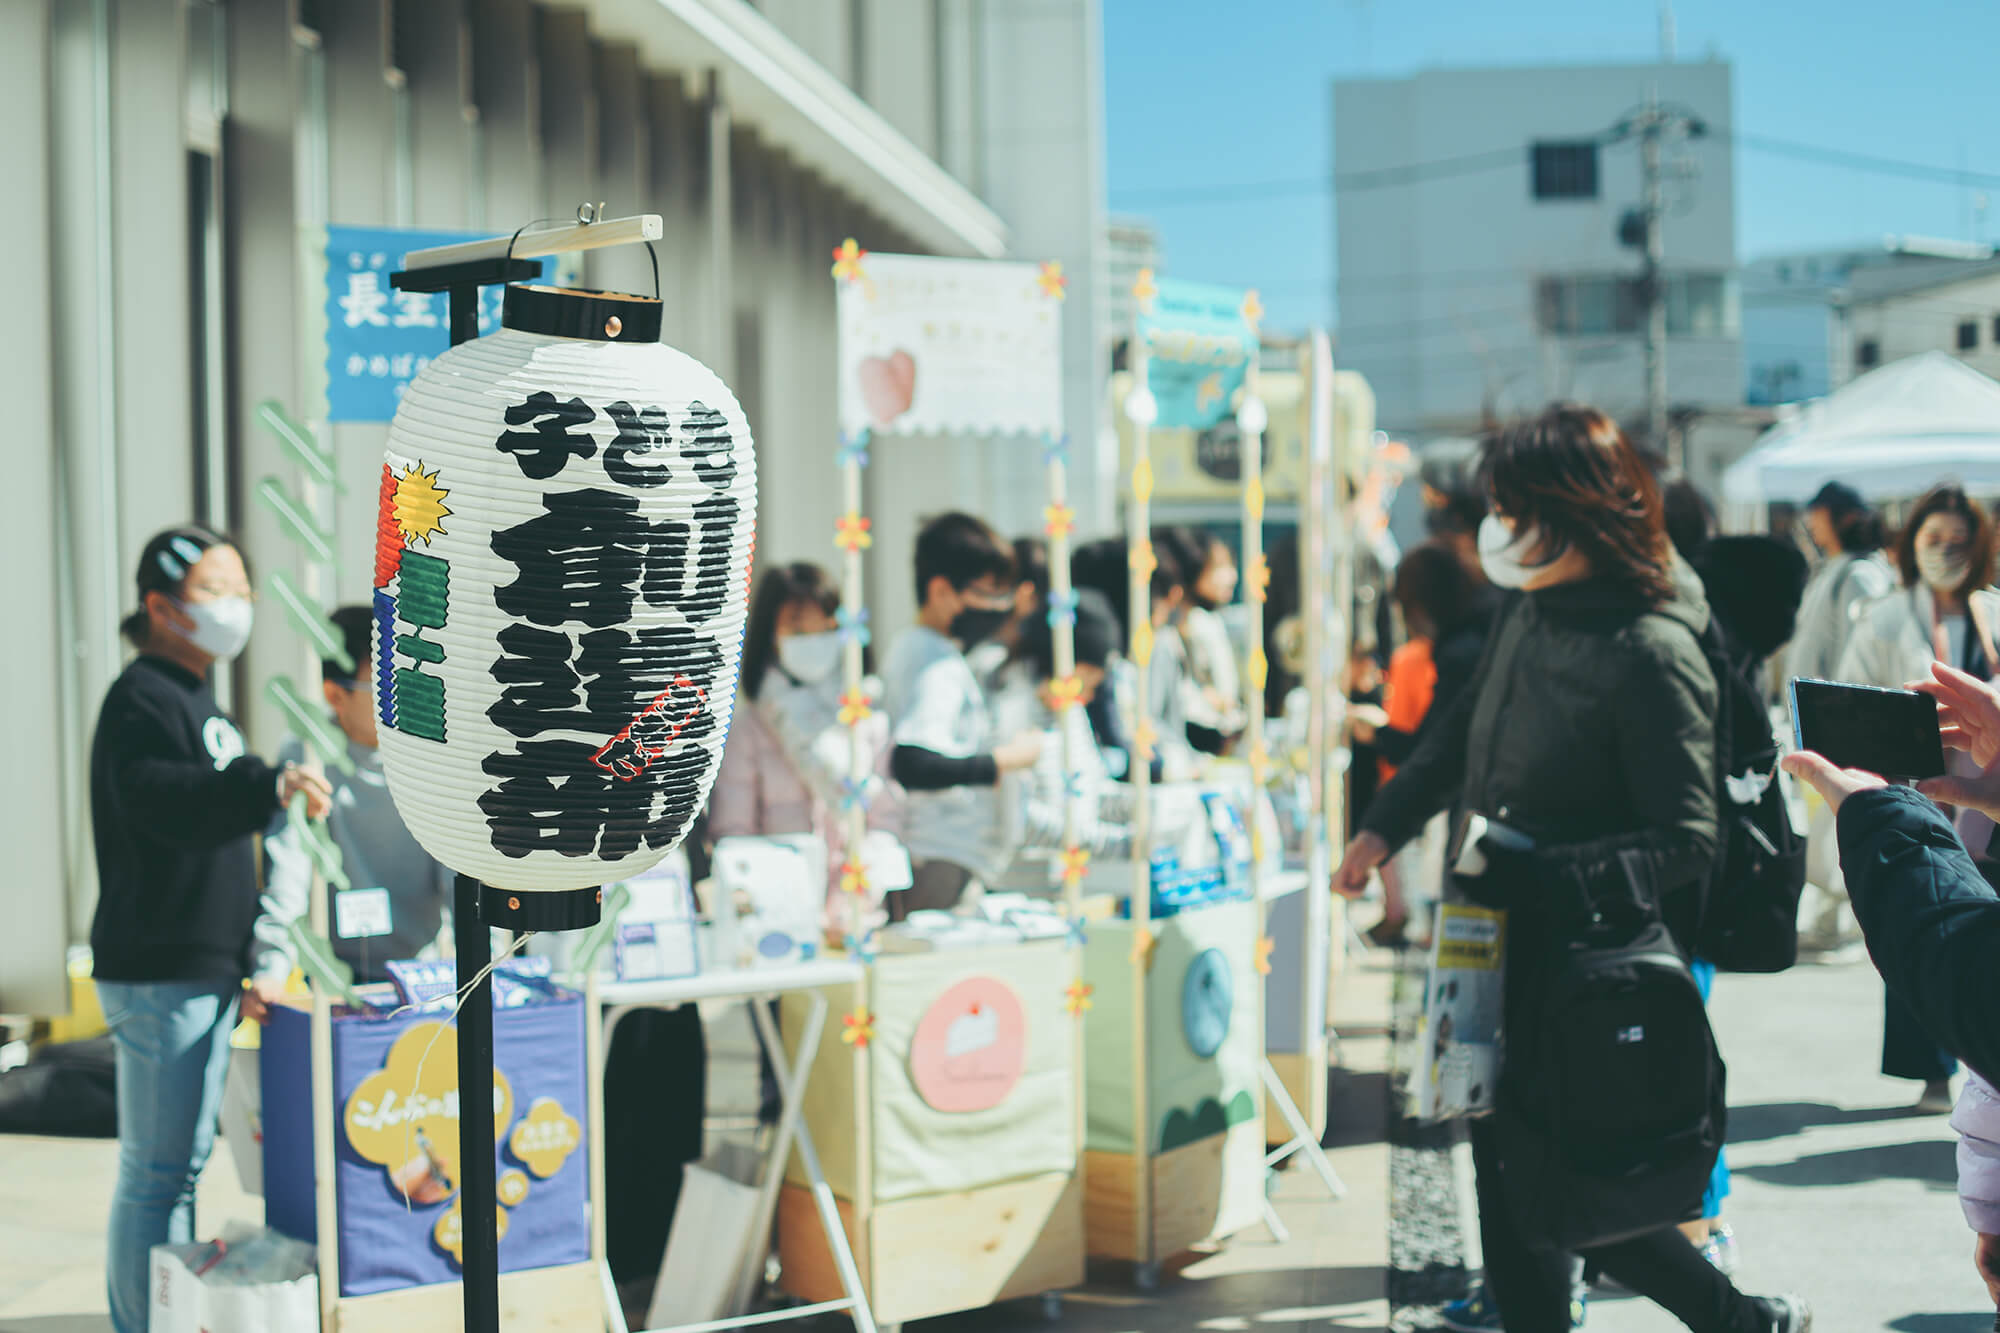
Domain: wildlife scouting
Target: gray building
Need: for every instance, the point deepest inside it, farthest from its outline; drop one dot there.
(1481, 269)
(174, 163)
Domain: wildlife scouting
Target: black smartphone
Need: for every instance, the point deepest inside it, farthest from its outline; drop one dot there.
(1891, 733)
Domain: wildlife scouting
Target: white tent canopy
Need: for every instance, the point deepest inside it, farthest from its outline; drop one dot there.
(1891, 434)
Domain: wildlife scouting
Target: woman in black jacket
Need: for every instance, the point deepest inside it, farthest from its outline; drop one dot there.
(175, 801)
(1591, 731)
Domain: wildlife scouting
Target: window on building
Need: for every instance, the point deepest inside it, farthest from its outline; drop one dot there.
(1968, 335)
(1868, 354)
(1565, 170)
(1699, 305)
(1996, 330)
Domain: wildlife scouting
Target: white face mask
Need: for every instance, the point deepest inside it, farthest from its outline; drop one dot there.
(810, 658)
(221, 627)
(1503, 555)
(1943, 568)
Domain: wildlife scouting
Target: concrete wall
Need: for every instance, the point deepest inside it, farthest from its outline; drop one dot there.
(545, 116)
(1439, 256)
(1928, 321)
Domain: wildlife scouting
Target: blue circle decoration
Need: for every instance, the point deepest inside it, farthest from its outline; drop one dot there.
(1208, 997)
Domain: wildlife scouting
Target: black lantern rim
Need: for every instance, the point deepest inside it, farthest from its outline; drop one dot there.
(560, 909)
(576, 312)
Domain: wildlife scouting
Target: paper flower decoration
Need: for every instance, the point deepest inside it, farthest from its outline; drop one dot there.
(853, 625)
(1073, 786)
(858, 1028)
(1260, 668)
(1077, 997)
(1055, 449)
(1075, 864)
(847, 257)
(1065, 693)
(1253, 500)
(861, 946)
(1253, 309)
(1062, 608)
(1144, 738)
(851, 533)
(854, 794)
(1142, 560)
(1260, 763)
(1142, 479)
(1142, 643)
(1144, 942)
(855, 708)
(1144, 289)
(854, 449)
(1051, 281)
(1258, 582)
(1076, 934)
(1058, 521)
(853, 877)
(1264, 948)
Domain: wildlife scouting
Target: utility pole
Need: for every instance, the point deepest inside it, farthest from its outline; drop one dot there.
(1651, 284)
(1642, 229)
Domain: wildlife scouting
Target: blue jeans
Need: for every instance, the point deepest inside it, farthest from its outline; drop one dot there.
(172, 1039)
(1718, 1180)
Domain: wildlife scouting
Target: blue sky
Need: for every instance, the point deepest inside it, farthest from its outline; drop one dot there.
(1221, 92)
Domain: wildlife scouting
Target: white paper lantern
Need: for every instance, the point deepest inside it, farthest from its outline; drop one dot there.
(562, 565)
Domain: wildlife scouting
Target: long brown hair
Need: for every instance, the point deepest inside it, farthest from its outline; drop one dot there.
(1950, 498)
(1571, 473)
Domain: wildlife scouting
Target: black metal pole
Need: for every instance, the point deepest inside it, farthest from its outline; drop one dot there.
(477, 1198)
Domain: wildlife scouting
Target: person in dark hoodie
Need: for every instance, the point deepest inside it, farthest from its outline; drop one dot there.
(1591, 732)
(175, 803)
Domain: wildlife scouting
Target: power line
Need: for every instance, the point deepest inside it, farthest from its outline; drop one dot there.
(1470, 163)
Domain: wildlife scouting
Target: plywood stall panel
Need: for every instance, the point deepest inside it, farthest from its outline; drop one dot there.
(950, 1132)
(1196, 974)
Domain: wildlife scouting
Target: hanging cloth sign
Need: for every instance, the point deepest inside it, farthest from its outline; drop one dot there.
(949, 346)
(1199, 338)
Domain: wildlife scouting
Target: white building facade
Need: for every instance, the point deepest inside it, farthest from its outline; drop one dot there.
(174, 161)
(1481, 272)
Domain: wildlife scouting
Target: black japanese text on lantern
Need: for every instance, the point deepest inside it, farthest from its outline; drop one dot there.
(573, 663)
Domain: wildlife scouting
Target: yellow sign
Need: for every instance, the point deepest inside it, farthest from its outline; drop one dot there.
(512, 1188)
(449, 1233)
(1471, 939)
(404, 1116)
(545, 1138)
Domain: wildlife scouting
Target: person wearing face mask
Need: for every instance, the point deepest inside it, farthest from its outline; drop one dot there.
(945, 755)
(176, 802)
(1944, 554)
(396, 904)
(787, 752)
(1211, 689)
(1588, 735)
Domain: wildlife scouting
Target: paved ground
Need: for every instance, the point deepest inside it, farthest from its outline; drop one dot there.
(1331, 1274)
(1838, 1194)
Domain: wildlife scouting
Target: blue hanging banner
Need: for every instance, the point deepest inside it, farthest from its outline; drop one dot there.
(377, 338)
(1199, 340)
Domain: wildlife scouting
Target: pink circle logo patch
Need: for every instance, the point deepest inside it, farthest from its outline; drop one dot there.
(970, 1047)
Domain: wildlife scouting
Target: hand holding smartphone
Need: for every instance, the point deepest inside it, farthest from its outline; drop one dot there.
(1891, 733)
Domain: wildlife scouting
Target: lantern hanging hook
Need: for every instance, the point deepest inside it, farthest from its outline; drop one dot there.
(586, 214)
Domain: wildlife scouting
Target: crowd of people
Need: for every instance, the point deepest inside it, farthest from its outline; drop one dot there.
(1538, 723)
(964, 755)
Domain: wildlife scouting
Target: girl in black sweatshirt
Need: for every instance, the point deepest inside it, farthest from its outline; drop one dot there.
(175, 802)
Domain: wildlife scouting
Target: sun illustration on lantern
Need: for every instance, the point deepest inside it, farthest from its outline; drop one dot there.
(419, 504)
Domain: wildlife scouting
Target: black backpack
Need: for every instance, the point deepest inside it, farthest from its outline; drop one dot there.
(1611, 1106)
(1750, 919)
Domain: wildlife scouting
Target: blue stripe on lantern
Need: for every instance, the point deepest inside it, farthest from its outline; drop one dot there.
(385, 658)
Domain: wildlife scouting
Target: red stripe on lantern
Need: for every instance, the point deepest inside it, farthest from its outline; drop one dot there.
(388, 536)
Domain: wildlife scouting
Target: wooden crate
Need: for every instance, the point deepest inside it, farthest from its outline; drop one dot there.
(544, 1300)
(946, 1211)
